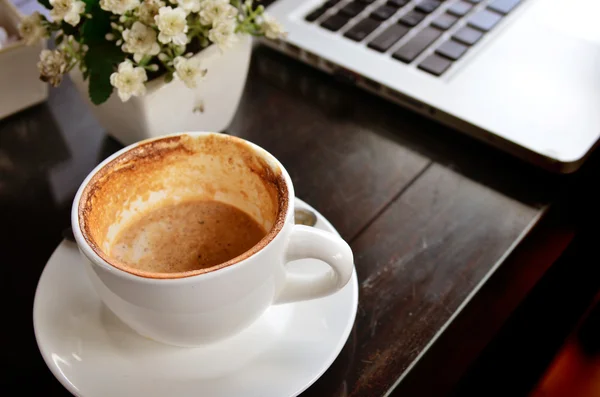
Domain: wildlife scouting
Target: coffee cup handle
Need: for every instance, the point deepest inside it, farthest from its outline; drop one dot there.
(308, 242)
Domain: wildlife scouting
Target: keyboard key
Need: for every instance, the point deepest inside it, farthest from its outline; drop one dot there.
(415, 46)
(435, 64)
(313, 16)
(353, 9)
(316, 14)
(397, 3)
(503, 6)
(474, 1)
(335, 22)
(362, 29)
(428, 6)
(467, 35)
(460, 9)
(383, 13)
(484, 20)
(412, 18)
(452, 50)
(444, 21)
(389, 37)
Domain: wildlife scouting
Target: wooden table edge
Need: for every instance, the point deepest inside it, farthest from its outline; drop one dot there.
(534, 222)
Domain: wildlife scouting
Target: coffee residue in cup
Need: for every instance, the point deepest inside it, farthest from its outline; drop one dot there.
(186, 236)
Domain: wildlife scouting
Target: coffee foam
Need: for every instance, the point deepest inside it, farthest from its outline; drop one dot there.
(180, 168)
(188, 236)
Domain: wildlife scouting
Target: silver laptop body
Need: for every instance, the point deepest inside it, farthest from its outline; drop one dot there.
(526, 81)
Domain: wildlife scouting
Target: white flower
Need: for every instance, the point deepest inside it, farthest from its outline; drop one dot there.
(271, 28)
(212, 11)
(188, 71)
(172, 25)
(67, 10)
(119, 7)
(140, 40)
(31, 28)
(70, 44)
(223, 33)
(52, 66)
(189, 5)
(148, 10)
(129, 81)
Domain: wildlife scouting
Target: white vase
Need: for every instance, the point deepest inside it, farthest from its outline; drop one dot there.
(173, 107)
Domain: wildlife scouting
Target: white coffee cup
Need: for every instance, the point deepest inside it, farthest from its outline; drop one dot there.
(202, 306)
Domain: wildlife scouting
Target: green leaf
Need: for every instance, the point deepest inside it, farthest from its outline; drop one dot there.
(95, 29)
(100, 88)
(45, 3)
(90, 5)
(101, 61)
(68, 30)
(102, 56)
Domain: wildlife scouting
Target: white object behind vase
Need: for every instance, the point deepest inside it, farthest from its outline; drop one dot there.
(20, 85)
(173, 107)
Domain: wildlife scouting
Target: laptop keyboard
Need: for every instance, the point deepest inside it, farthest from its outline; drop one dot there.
(381, 24)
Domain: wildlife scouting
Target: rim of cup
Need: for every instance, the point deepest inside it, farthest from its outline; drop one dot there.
(98, 257)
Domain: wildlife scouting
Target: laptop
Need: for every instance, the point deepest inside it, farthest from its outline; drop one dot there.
(522, 75)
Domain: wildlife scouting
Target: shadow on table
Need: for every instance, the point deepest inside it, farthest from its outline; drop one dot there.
(30, 144)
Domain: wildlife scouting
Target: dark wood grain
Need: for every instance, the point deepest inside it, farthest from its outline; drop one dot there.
(479, 322)
(418, 262)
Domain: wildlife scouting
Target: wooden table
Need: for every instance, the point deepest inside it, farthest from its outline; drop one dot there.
(429, 213)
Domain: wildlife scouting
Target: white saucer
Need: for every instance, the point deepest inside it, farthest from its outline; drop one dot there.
(93, 354)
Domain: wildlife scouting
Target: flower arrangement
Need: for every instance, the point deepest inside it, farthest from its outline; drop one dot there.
(123, 44)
